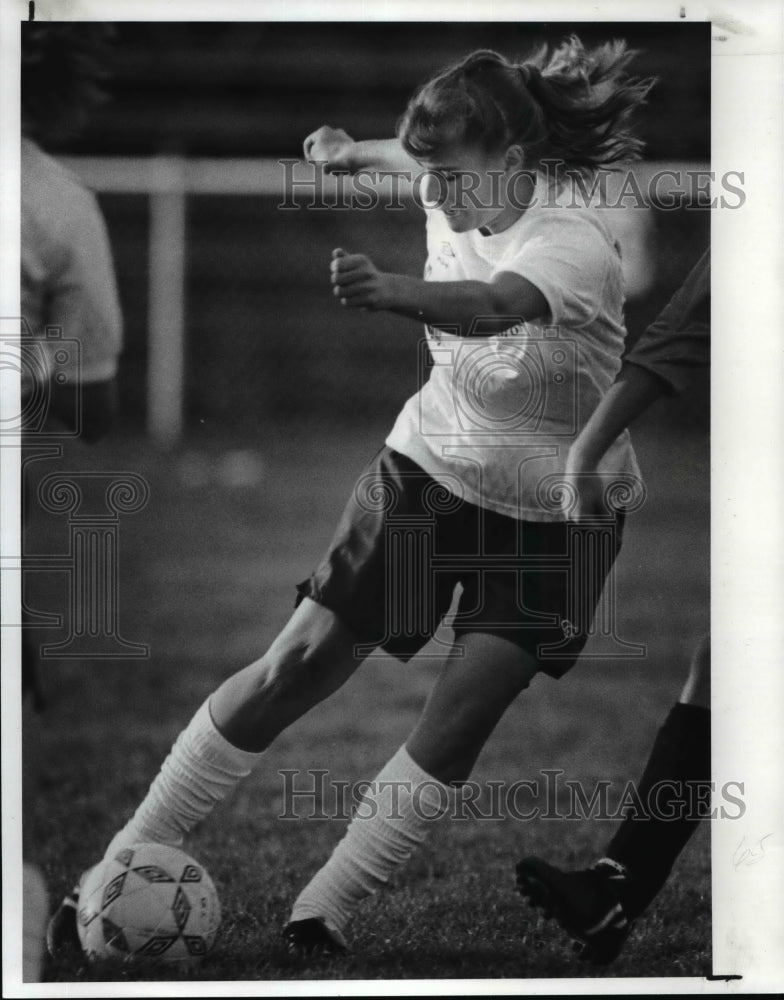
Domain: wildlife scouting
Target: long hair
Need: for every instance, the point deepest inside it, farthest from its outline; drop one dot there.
(64, 68)
(573, 105)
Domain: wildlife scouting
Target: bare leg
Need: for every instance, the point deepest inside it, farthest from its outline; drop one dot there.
(222, 743)
(310, 659)
(471, 694)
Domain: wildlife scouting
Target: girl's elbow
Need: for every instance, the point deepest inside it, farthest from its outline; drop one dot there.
(506, 311)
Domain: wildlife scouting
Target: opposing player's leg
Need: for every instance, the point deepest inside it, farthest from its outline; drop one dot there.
(597, 905)
(479, 680)
(677, 769)
(310, 659)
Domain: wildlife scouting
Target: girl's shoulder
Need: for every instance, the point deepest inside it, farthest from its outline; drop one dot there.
(563, 220)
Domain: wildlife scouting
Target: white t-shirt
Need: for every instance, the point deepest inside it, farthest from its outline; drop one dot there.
(67, 276)
(494, 421)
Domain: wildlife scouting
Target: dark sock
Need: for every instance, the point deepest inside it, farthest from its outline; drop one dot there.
(649, 847)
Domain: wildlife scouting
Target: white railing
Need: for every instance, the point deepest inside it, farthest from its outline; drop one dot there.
(169, 180)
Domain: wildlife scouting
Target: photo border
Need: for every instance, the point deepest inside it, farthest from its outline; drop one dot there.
(747, 475)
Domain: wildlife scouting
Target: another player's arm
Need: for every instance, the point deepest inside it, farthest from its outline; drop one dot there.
(634, 390)
(498, 304)
(632, 393)
(676, 343)
(338, 153)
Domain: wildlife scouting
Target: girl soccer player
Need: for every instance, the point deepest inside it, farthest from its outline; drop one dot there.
(523, 303)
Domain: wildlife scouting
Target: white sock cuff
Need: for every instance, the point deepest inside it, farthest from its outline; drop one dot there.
(431, 794)
(213, 748)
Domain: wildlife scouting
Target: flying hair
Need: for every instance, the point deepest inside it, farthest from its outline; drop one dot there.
(571, 105)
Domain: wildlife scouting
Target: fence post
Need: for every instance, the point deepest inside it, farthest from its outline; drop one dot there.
(166, 317)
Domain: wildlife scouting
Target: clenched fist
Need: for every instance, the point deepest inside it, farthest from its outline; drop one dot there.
(358, 283)
(331, 147)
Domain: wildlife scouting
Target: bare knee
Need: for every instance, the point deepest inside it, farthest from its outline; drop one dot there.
(308, 661)
(315, 651)
(288, 671)
(303, 667)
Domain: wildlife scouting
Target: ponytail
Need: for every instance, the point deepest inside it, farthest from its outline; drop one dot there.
(588, 103)
(573, 106)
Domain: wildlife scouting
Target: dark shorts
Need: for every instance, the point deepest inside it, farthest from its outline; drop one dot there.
(404, 542)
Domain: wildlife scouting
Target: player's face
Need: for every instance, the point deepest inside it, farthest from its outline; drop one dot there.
(474, 188)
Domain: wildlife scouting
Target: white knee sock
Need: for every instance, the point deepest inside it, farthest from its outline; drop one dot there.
(390, 823)
(200, 771)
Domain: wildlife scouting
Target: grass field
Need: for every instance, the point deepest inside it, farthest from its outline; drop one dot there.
(206, 579)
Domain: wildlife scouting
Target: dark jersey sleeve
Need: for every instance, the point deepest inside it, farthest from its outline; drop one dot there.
(678, 340)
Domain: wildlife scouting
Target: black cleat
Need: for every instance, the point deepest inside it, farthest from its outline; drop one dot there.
(587, 904)
(62, 937)
(312, 939)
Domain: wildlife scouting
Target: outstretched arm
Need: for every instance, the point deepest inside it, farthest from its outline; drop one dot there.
(469, 308)
(339, 153)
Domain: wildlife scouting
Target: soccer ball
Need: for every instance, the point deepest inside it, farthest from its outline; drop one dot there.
(149, 902)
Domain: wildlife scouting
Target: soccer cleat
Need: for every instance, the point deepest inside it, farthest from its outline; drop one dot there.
(311, 938)
(62, 937)
(587, 904)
